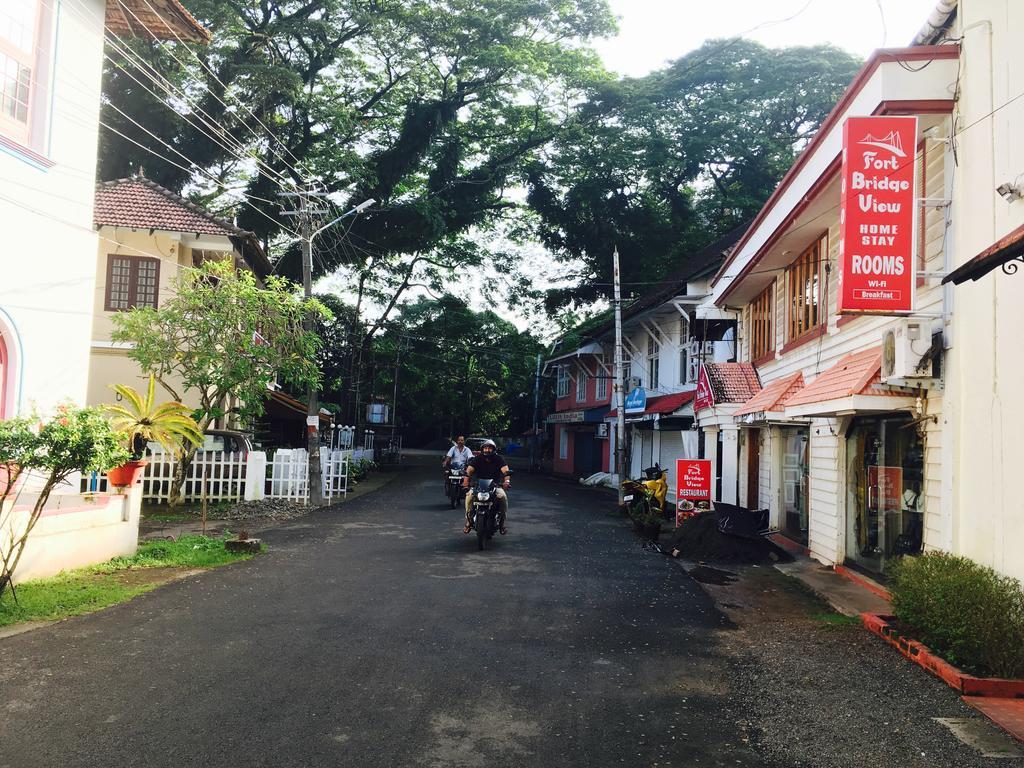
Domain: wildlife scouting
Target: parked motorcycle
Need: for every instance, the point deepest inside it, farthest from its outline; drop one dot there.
(453, 485)
(485, 511)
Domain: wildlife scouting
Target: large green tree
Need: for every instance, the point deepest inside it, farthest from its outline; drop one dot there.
(459, 371)
(661, 165)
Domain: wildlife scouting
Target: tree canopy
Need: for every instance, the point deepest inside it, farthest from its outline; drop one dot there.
(661, 165)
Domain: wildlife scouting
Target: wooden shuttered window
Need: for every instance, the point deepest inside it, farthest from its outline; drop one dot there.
(804, 286)
(132, 281)
(762, 329)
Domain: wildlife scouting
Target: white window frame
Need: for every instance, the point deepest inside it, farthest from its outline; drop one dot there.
(581, 385)
(653, 362)
(28, 133)
(562, 382)
(684, 350)
(602, 387)
(563, 443)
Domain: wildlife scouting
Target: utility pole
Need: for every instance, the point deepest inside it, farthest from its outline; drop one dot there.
(394, 396)
(535, 437)
(620, 404)
(305, 215)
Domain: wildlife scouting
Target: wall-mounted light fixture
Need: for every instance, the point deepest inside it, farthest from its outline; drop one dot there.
(1009, 192)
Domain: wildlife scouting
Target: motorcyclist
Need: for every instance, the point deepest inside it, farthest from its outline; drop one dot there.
(488, 465)
(458, 455)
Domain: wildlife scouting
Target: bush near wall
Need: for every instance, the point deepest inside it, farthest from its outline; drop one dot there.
(967, 613)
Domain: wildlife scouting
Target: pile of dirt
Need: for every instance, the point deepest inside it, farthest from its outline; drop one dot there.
(699, 539)
(267, 509)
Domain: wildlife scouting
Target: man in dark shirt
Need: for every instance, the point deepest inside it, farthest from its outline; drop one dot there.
(487, 465)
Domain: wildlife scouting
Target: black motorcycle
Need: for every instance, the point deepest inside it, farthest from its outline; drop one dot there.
(453, 488)
(486, 506)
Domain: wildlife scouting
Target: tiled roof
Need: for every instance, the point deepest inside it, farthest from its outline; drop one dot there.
(139, 203)
(772, 397)
(856, 374)
(732, 382)
(160, 19)
(664, 403)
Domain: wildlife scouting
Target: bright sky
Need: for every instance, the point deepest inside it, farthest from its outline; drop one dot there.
(653, 32)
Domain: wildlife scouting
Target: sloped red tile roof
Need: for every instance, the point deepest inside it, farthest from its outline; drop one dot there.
(160, 19)
(663, 403)
(772, 397)
(856, 374)
(732, 382)
(139, 203)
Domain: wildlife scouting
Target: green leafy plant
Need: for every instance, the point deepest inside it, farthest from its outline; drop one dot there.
(19, 444)
(141, 420)
(74, 440)
(967, 613)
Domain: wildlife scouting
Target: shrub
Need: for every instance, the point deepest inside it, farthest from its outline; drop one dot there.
(967, 613)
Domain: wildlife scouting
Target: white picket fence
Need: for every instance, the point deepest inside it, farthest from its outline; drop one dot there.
(229, 476)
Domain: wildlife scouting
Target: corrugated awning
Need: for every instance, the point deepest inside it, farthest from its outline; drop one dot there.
(772, 398)
(853, 384)
(659, 405)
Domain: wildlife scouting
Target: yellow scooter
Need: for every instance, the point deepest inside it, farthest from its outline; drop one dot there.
(653, 489)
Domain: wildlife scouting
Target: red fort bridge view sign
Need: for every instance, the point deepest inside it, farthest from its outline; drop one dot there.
(876, 247)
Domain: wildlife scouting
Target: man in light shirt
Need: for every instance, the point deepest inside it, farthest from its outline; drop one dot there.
(458, 455)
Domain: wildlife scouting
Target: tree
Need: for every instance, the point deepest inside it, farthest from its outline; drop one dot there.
(74, 440)
(661, 165)
(465, 371)
(222, 336)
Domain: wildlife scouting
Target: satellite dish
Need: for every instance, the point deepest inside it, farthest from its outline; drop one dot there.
(889, 354)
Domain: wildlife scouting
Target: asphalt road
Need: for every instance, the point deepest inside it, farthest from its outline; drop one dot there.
(374, 634)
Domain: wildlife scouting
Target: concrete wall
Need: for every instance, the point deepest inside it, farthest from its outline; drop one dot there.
(75, 530)
(47, 268)
(986, 367)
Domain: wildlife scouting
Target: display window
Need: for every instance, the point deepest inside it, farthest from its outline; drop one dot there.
(885, 504)
(795, 482)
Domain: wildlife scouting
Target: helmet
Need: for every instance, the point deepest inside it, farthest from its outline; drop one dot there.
(491, 443)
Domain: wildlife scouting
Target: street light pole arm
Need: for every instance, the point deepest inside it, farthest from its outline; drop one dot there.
(358, 209)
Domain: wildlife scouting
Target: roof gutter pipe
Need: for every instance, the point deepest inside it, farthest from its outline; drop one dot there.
(936, 23)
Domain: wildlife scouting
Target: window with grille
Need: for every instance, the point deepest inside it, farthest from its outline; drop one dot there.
(684, 350)
(653, 362)
(562, 386)
(132, 281)
(803, 285)
(602, 386)
(581, 386)
(20, 25)
(762, 329)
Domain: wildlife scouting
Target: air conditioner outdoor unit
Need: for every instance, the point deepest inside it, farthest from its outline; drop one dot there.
(633, 382)
(602, 429)
(904, 345)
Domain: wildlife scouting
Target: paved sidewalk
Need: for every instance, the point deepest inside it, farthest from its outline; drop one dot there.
(845, 596)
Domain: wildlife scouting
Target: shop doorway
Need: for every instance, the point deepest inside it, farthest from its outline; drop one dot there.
(586, 456)
(795, 482)
(753, 468)
(885, 478)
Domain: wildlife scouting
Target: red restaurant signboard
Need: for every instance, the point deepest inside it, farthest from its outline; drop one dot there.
(877, 215)
(705, 396)
(693, 480)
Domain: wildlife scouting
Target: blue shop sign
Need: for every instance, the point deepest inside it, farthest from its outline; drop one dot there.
(636, 401)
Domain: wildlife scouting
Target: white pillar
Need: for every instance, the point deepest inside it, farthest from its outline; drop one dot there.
(255, 475)
(711, 454)
(730, 462)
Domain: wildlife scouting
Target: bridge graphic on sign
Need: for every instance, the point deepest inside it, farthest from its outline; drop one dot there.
(892, 142)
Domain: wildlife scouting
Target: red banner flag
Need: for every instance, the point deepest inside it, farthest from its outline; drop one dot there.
(877, 216)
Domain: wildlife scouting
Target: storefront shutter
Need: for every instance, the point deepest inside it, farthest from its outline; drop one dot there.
(671, 449)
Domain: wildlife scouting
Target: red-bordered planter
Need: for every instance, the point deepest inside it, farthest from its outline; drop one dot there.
(127, 474)
(920, 654)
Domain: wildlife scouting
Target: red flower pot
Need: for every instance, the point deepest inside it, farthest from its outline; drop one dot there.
(126, 474)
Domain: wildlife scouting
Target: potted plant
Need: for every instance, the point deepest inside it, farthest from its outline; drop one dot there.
(139, 420)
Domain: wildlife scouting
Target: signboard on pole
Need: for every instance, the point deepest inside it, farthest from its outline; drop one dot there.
(705, 397)
(636, 400)
(877, 216)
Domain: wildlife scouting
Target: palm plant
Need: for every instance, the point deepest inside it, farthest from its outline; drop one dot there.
(142, 421)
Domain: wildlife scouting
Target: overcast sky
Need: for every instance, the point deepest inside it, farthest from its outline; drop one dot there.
(653, 32)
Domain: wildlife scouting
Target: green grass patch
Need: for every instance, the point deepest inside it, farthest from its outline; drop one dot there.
(84, 590)
(837, 620)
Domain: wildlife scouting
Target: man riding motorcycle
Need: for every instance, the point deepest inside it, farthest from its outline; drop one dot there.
(488, 465)
(458, 455)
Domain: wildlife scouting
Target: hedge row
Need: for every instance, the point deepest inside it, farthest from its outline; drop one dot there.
(967, 613)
